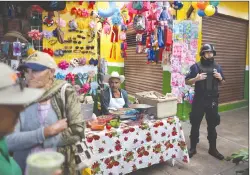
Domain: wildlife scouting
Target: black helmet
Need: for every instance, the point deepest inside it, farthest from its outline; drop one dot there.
(207, 47)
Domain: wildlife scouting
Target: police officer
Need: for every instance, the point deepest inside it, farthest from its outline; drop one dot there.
(207, 76)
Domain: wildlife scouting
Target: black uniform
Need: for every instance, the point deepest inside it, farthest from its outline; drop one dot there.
(205, 102)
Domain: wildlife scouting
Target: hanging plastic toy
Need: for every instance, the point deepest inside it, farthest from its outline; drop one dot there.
(63, 65)
(93, 88)
(17, 48)
(124, 47)
(85, 88)
(30, 50)
(164, 15)
(60, 76)
(5, 48)
(71, 78)
(178, 5)
(109, 12)
(73, 24)
(80, 78)
(91, 5)
(160, 35)
(106, 28)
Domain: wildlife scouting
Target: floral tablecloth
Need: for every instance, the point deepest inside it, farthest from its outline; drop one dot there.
(128, 148)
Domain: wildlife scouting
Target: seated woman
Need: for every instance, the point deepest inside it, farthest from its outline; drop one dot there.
(114, 97)
(45, 125)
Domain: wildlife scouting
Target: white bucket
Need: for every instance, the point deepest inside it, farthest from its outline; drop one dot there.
(44, 163)
(87, 111)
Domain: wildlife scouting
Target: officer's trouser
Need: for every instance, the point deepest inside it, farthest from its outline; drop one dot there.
(209, 106)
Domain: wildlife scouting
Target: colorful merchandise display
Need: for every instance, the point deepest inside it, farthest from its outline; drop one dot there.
(185, 46)
(152, 22)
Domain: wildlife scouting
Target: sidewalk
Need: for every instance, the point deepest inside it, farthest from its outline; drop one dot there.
(232, 136)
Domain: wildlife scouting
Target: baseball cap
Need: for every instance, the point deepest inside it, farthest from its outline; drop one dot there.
(39, 61)
(12, 91)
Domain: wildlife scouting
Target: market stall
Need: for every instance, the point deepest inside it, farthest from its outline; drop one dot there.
(133, 138)
(129, 148)
(121, 142)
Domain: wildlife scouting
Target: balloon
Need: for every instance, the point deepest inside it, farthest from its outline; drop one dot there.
(201, 13)
(178, 5)
(214, 3)
(130, 8)
(109, 12)
(202, 5)
(194, 4)
(210, 10)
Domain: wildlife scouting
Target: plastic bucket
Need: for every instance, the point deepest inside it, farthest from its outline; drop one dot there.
(87, 111)
(44, 163)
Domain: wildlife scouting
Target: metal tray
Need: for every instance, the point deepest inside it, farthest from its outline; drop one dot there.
(140, 106)
(121, 111)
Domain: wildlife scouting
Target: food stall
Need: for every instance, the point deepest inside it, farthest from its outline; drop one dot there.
(133, 138)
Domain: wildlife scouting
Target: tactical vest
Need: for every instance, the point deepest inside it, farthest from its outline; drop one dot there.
(209, 86)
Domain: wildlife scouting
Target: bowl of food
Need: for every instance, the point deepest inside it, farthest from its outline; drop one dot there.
(97, 125)
(105, 118)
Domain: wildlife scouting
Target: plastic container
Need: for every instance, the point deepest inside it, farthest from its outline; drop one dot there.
(97, 125)
(164, 106)
(87, 111)
(105, 118)
(44, 163)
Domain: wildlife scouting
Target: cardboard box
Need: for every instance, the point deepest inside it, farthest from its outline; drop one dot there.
(165, 106)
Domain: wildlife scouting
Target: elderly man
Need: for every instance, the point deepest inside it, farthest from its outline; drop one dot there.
(13, 98)
(114, 97)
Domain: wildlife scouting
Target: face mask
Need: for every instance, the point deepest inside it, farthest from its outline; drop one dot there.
(207, 61)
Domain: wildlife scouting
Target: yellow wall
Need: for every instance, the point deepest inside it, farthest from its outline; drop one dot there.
(236, 9)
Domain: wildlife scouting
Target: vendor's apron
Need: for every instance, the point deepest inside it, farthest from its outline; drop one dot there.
(116, 102)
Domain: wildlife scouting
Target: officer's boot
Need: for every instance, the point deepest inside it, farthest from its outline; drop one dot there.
(192, 151)
(213, 151)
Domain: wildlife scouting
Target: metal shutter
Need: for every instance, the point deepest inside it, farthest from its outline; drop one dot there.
(140, 76)
(229, 36)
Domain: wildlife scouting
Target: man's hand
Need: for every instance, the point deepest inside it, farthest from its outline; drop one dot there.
(55, 128)
(198, 77)
(201, 76)
(218, 76)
